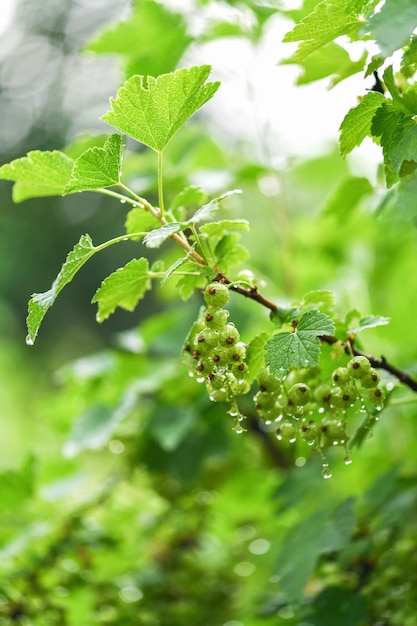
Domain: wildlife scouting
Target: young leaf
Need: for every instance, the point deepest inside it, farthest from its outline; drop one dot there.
(124, 288)
(218, 229)
(320, 299)
(370, 321)
(151, 110)
(139, 220)
(97, 167)
(328, 20)
(187, 197)
(176, 265)
(41, 302)
(151, 41)
(347, 196)
(207, 211)
(38, 174)
(357, 122)
(255, 354)
(300, 348)
(155, 238)
(394, 24)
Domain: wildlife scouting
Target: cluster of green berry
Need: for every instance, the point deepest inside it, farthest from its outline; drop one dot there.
(216, 355)
(317, 413)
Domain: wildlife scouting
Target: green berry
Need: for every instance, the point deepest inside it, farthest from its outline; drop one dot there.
(299, 394)
(216, 318)
(372, 379)
(376, 395)
(223, 356)
(219, 395)
(310, 433)
(216, 294)
(286, 432)
(209, 337)
(264, 400)
(341, 376)
(338, 398)
(334, 432)
(229, 335)
(239, 351)
(359, 366)
(268, 382)
(322, 394)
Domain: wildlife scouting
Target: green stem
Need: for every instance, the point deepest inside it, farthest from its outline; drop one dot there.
(110, 242)
(160, 184)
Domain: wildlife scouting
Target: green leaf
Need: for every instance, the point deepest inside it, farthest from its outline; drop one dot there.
(97, 167)
(41, 302)
(300, 348)
(329, 60)
(370, 321)
(347, 196)
(151, 40)
(124, 288)
(337, 605)
(138, 220)
(38, 174)
(171, 424)
(155, 238)
(409, 60)
(187, 197)
(207, 211)
(320, 299)
(151, 110)
(176, 265)
(357, 122)
(17, 486)
(398, 132)
(407, 196)
(255, 354)
(394, 24)
(93, 429)
(328, 20)
(229, 252)
(218, 229)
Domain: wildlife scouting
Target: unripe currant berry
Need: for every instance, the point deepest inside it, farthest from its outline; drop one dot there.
(239, 351)
(286, 432)
(216, 318)
(376, 395)
(219, 395)
(341, 376)
(229, 335)
(268, 382)
(359, 366)
(215, 381)
(372, 379)
(310, 432)
(339, 399)
(223, 355)
(264, 400)
(209, 337)
(299, 394)
(334, 432)
(239, 370)
(322, 394)
(216, 294)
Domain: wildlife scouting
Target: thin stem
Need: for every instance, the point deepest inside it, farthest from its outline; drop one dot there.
(110, 242)
(160, 184)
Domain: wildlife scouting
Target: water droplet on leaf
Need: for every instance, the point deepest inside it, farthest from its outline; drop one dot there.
(29, 340)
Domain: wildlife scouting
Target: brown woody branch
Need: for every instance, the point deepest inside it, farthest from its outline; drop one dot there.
(379, 363)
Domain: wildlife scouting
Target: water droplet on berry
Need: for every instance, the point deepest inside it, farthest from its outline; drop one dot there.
(268, 422)
(326, 472)
(321, 410)
(348, 460)
(238, 430)
(293, 440)
(200, 379)
(29, 340)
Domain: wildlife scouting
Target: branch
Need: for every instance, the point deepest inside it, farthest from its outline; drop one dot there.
(378, 363)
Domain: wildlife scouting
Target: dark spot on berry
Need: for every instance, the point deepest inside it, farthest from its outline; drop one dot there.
(257, 407)
(209, 317)
(356, 365)
(345, 397)
(230, 340)
(378, 393)
(324, 428)
(187, 348)
(262, 388)
(200, 367)
(241, 367)
(212, 291)
(200, 339)
(216, 358)
(236, 357)
(196, 354)
(302, 388)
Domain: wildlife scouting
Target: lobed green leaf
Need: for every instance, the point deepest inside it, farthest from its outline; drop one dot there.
(123, 288)
(151, 110)
(300, 348)
(370, 321)
(357, 122)
(155, 238)
(138, 220)
(97, 167)
(218, 229)
(38, 174)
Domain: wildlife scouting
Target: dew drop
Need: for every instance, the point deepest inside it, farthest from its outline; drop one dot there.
(29, 340)
(293, 440)
(200, 379)
(321, 410)
(348, 460)
(268, 422)
(122, 201)
(326, 472)
(238, 430)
